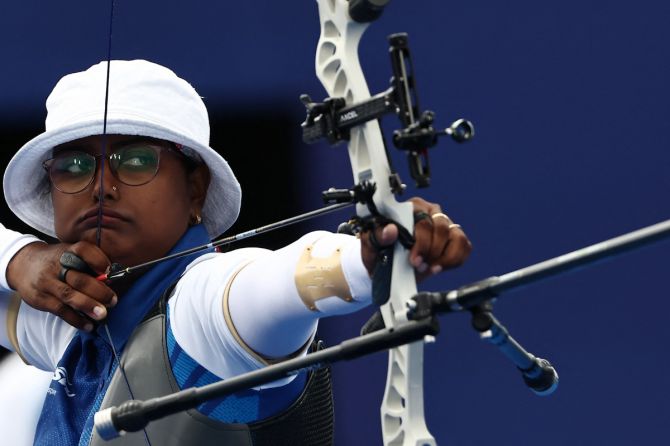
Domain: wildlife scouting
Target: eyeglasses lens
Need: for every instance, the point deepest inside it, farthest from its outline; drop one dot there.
(135, 165)
(72, 172)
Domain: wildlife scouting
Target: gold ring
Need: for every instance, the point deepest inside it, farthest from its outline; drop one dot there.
(453, 225)
(440, 215)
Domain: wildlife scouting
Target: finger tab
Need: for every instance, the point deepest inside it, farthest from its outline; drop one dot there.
(70, 260)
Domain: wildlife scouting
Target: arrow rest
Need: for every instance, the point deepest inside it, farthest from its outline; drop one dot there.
(382, 273)
(363, 193)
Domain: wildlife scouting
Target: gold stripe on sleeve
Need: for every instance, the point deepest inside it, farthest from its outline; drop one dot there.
(238, 338)
(12, 320)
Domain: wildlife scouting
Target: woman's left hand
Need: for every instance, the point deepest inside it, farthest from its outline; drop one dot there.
(439, 243)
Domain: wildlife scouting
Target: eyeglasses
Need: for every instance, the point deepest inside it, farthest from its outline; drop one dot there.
(134, 165)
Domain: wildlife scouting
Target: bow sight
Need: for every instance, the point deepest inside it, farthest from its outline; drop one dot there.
(332, 119)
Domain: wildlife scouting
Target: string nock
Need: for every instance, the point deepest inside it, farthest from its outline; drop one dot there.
(461, 130)
(116, 271)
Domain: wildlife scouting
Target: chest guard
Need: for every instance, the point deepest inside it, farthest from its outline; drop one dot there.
(308, 421)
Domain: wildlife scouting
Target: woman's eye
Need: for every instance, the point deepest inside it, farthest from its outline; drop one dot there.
(75, 166)
(137, 159)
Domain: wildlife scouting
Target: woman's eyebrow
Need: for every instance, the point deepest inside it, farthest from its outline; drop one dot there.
(91, 147)
(137, 139)
(74, 146)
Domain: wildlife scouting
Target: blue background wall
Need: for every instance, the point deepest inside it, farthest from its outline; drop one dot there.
(570, 100)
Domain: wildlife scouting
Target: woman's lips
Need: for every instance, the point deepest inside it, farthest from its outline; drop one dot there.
(108, 219)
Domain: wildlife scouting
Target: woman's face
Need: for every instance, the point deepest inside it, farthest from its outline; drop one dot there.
(139, 223)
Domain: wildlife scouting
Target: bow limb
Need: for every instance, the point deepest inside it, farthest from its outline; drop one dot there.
(338, 68)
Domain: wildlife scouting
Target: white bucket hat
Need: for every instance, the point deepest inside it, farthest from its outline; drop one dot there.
(145, 99)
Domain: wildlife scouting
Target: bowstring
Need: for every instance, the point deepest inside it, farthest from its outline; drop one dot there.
(101, 197)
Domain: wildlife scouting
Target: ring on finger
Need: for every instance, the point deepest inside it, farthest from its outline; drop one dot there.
(418, 216)
(440, 215)
(453, 225)
(62, 275)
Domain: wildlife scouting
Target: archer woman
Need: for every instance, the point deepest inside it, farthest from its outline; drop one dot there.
(150, 185)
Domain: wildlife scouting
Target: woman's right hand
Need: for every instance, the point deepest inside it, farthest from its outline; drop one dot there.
(34, 273)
